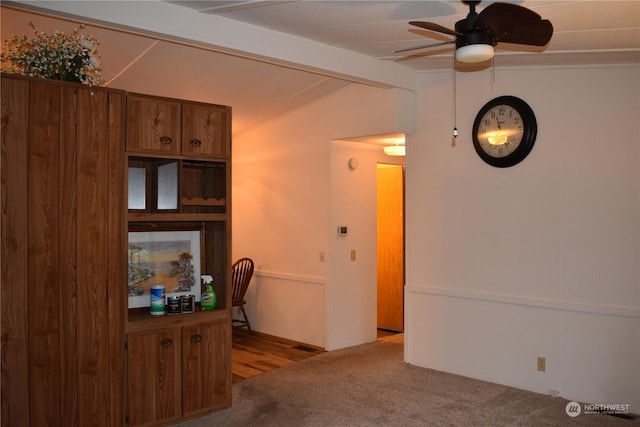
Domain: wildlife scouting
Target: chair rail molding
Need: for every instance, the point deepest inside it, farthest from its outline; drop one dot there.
(292, 277)
(633, 312)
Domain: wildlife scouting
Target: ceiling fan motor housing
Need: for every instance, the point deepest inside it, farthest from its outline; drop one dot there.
(469, 34)
(475, 37)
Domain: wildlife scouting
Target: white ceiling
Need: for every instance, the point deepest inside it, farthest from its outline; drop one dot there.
(585, 31)
(265, 58)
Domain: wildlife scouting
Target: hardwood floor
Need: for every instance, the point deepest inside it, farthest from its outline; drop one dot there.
(385, 333)
(256, 353)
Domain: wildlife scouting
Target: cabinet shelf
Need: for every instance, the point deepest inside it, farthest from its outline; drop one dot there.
(141, 320)
(175, 217)
(174, 185)
(199, 201)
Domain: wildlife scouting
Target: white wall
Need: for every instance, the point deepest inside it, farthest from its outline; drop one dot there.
(352, 296)
(285, 176)
(541, 259)
(503, 265)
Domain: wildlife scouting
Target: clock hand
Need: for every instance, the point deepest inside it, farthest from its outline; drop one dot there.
(498, 120)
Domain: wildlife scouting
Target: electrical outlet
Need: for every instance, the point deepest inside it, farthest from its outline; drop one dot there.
(353, 254)
(321, 256)
(542, 364)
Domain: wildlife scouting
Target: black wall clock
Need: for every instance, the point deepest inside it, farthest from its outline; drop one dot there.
(504, 131)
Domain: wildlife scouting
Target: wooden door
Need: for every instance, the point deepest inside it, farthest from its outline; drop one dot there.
(154, 377)
(205, 130)
(390, 188)
(206, 371)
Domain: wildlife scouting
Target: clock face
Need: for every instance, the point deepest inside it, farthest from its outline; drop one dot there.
(504, 131)
(500, 131)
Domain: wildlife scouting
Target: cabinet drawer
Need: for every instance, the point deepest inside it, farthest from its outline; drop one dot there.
(153, 125)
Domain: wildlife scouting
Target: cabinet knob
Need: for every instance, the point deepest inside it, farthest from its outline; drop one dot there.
(166, 342)
(195, 142)
(166, 140)
(196, 338)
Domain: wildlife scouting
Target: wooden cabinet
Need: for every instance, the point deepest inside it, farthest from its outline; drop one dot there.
(179, 366)
(63, 252)
(178, 372)
(166, 126)
(73, 354)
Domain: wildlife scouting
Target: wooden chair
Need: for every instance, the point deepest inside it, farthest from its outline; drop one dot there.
(241, 273)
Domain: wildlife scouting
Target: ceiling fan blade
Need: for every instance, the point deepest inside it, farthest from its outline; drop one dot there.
(510, 23)
(424, 46)
(533, 35)
(434, 27)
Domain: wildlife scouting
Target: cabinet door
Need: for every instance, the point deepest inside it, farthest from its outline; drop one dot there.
(154, 377)
(153, 125)
(206, 130)
(206, 355)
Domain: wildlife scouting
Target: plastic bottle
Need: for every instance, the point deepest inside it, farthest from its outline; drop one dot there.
(157, 299)
(208, 299)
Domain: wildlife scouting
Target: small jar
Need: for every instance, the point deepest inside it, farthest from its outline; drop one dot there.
(174, 305)
(187, 303)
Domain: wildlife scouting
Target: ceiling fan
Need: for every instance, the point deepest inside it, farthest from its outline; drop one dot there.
(478, 34)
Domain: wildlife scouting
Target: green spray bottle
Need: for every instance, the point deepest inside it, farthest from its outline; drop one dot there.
(208, 299)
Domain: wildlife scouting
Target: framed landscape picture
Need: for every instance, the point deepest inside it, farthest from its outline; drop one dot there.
(163, 257)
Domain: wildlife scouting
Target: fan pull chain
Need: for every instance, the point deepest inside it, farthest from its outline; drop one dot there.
(455, 112)
(493, 69)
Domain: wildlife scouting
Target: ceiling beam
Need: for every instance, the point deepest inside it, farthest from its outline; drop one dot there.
(170, 22)
(220, 7)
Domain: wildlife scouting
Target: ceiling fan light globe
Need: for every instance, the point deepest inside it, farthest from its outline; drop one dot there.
(473, 53)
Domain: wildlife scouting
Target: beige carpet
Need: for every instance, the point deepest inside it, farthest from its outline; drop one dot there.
(370, 385)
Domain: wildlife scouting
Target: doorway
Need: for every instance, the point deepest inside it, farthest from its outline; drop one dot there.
(390, 243)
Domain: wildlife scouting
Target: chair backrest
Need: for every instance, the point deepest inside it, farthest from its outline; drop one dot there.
(241, 273)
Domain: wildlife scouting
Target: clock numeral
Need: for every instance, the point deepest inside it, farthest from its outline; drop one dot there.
(507, 146)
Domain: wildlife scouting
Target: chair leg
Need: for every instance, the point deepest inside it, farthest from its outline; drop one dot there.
(246, 319)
